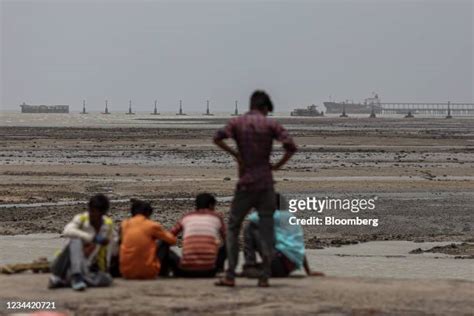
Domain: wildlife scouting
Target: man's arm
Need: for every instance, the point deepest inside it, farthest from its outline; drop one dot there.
(221, 135)
(222, 145)
(160, 233)
(73, 230)
(178, 227)
(282, 136)
(283, 160)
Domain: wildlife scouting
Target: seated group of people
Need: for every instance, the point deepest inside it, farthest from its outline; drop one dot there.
(96, 253)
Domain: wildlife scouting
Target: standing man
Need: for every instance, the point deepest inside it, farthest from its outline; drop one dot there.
(253, 133)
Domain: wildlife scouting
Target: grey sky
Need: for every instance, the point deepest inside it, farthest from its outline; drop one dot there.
(60, 52)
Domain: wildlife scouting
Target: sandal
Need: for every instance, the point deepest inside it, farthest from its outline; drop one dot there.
(263, 283)
(225, 282)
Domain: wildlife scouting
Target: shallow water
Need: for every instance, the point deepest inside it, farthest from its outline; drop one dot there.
(388, 259)
(193, 120)
(391, 259)
(26, 248)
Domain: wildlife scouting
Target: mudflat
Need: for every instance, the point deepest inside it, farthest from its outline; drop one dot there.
(421, 171)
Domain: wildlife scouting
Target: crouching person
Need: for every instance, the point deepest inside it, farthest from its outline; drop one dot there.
(139, 239)
(85, 260)
(289, 249)
(203, 232)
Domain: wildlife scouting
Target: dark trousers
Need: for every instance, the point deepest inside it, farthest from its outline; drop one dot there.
(279, 263)
(170, 260)
(265, 204)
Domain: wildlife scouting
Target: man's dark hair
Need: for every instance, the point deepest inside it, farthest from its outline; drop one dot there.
(100, 203)
(205, 200)
(260, 100)
(140, 207)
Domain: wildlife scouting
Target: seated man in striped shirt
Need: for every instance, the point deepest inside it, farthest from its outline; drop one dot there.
(203, 235)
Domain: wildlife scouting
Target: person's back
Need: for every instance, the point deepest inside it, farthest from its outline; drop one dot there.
(254, 133)
(289, 239)
(201, 232)
(289, 254)
(138, 249)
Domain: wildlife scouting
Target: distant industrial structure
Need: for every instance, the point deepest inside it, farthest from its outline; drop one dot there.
(180, 112)
(155, 110)
(370, 105)
(208, 111)
(236, 111)
(106, 111)
(130, 112)
(26, 108)
(84, 107)
(432, 109)
(374, 106)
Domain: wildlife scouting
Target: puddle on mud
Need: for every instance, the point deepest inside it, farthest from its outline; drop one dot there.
(64, 203)
(390, 259)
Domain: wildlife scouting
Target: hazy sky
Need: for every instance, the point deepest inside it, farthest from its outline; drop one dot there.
(302, 52)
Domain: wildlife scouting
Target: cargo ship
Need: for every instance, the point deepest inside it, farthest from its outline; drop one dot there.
(26, 108)
(369, 105)
(309, 111)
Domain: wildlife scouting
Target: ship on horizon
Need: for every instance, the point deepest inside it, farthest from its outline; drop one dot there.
(309, 111)
(26, 108)
(370, 105)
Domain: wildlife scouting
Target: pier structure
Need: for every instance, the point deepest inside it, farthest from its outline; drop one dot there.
(155, 110)
(208, 112)
(448, 116)
(372, 112)
(130, 112)
(409, 115)
(447, 109)
(236, 111)
(180, 112)
(106, 111)
(344, 114)
(84, 107)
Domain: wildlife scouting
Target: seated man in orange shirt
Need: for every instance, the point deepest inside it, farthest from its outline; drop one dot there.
(139, 237)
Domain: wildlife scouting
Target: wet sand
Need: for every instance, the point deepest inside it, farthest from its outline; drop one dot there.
(292, 296)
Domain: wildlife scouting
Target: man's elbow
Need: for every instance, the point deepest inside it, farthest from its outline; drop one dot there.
(173, 240)
(290, 148)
